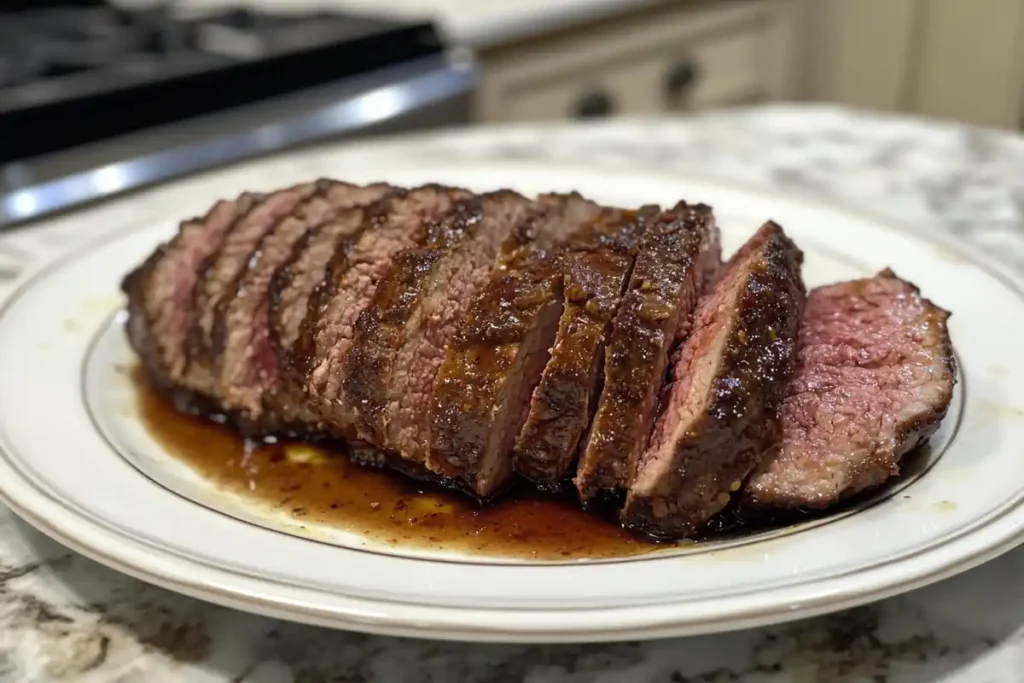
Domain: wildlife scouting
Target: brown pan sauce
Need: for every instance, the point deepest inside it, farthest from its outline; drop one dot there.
(316, 486)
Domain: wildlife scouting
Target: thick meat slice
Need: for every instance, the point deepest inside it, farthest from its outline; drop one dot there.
(403, 220)
(678, 255)
(216, 278)
(721, 412)
(160, 290)
(596, 269)
(401, 337)
(482, 391)
(873, 379)
(291, 289)
(246, 364)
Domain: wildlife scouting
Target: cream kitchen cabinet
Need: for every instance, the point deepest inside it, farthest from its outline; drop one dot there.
(671, 57)
(958, 59)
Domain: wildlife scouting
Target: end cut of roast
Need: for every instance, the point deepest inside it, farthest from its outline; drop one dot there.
(160, 291)
(721, 411)
(678, 254)
(874, 378)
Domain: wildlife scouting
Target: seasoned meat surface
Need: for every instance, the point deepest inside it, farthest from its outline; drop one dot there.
(874, 378)
(677, 255)
(721, 412)
(480, 395)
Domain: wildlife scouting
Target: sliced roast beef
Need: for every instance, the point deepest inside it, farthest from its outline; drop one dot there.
(246, 364)
(402, 220)
(217, 275)
(464, 337)
(481, 393)
(721, 411)
(596, 269)
(678, 255)
(160, 290)
(874, 378)
(400, 338)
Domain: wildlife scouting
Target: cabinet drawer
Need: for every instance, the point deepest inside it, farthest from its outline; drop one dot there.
(720, 71)
(712, 57)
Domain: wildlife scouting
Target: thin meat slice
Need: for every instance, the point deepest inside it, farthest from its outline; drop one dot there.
(217, 276)
(401, 221)
(160, 290)
(291, 289)
(481, 393)
(721, 413)
(246, 364)
(596, 270)
(874, 378)
(678, 255)
(400, 338)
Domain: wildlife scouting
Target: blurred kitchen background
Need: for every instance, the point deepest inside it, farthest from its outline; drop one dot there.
(101, 96)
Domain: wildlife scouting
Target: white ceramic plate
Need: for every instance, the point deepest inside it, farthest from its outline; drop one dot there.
(76, 463)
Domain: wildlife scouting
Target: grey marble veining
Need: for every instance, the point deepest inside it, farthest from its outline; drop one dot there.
(65, 618)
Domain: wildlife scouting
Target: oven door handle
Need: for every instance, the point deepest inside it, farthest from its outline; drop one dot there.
(375, 98)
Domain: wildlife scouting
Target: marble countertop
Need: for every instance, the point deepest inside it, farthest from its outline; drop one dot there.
(66, 618)
(464, 22)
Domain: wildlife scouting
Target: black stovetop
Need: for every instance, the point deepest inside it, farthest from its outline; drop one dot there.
(78, 72)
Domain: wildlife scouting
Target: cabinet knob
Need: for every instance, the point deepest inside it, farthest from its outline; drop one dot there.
(681, 78)
(594, 105)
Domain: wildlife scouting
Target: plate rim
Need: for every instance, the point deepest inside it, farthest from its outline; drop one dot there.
(19, 494)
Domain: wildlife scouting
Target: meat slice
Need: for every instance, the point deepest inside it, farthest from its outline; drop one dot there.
(873, 379)
(678, 255)
(721, 412)
(596, 270)
(401, 221)
(160, 290)
(216, 278)
(480, 395)
(291, 289)
(482, 392)
(246, 364)
(400, 338)
(565, 216)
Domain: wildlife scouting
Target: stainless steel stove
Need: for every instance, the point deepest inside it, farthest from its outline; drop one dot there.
(90, 93)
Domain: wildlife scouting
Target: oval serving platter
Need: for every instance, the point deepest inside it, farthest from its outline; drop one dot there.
(77, 463)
